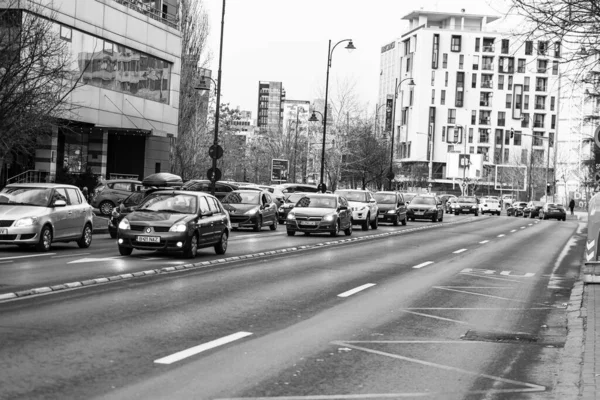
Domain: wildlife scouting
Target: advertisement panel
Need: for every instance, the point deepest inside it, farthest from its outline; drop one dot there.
(389, 104)
(279, 170)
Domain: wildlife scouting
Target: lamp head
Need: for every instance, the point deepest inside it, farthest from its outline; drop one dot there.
(411, 83)
(313, 118)
(350, 46)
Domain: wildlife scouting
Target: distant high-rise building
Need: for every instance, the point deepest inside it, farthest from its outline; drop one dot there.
(271, 96)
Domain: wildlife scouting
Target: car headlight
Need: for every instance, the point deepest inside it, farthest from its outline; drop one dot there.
(281, 209)
(329, 217)
(391, 212)
(26, 222)
(124, 224)
(251, 212)
(291, 216)
(178, 228)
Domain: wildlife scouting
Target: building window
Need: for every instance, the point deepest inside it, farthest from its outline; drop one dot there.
(538, 155)
(540, 102)
(506, 138)
(488, 45)
(455, 43)
(517, 139)
(485, 151)
(510, 82)
(557, 49)
(470, 135)
(554, 67)
(471, 149)
(541, 84)
(432, 78)
(445, 60)
(504, 49)
(506, 155)
(451, 116)
(477, 43)
(484, 135)
(475, 62)
(485, 117)
(551, 139)
(553, 122)
(500, 82)
(526, 102)
(526, 84)
(460, 88)
(443, 133)
(474, 80)
(473, 117)
(509, 100)
(410, 97)
(542, 48)
(443, 97)
(461, 61)
(435, 56)
(499, 134)
(408, 64)
(432, 96)
(485, 99)
(450, 148)
(446, 79)
(487, 63)
(542, 66)
(486, 81)
(538, 121)
(66, 33)
(406, 47)
(501, 118)
(108, 47)
(538, 138)
(529, 47)
(525, 120)
(521, 65)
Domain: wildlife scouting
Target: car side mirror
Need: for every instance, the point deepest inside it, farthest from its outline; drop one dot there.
(372, 201)
(60, 203)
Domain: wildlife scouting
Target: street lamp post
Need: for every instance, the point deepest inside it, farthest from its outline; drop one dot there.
(350, 46)
(391, 172)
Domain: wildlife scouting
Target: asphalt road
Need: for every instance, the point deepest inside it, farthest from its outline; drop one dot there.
(466, 310)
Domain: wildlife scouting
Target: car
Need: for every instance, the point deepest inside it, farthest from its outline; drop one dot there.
(408, 196)
(276, 193)
(467, 205)
(290, 200)
(392, 207)
(39, 214)
(490, 205)
(425, 206)
(320, 213)
(516, 209)
(296, 187)
(175, 221)
(250, 208)
(532, 210)
(364, 207)
(553, 210)
(448, 203)
(508, 199)
(108, 194)
(204, 185)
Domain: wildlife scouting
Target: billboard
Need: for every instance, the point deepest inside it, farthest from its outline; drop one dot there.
(511, 177)
(459, 165)
(279, 170)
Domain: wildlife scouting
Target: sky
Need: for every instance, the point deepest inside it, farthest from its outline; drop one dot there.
(287, 41)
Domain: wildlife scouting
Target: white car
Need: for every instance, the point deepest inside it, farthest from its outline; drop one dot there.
(490, 206)
(364, 207)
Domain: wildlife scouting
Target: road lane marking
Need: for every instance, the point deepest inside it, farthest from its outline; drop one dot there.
(501, 235)
(513, 231)
(522, 227)
(459, 251)
(72, 255)
(356, 290)
(6, 262)
(481, 294)
(435, 317)
(505, 273)
(484, 242)
(530, 224)
(93, 259)
(490, 277)
(200, 348)
(426, 263)
(27, 256)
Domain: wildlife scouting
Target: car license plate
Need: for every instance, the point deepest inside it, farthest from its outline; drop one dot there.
(148, 239)
(309, 223)
(3, 231)
(381, 216)
(235, 225)
(466, 210)
(419, 212)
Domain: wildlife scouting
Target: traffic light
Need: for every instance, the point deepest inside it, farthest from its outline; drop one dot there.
(512, 133)
(548, 188)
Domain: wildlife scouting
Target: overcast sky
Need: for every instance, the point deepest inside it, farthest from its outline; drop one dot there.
(286, 41)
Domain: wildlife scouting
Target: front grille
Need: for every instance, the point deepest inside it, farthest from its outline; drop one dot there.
(27, 236)
(301, 219)
(239, 218)
(138, 228)
(8, 237)
(6, 223)
(142, 228)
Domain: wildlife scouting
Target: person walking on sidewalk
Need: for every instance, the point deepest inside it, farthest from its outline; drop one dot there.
(572, 205)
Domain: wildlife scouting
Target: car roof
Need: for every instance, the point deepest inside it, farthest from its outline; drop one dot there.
(187, 192)
(40, 185)
(120, 180)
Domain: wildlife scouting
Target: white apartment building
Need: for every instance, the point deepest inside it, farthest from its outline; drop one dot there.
(473, 86)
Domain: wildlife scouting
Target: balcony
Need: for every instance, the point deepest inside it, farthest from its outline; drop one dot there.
(541, 70)
(540, 106)
(487, 67)
(501, 122)
(149, 10)
(488, 48)
(484, 121)
(487, 84)
(538, 124)
(540, 88)
(485, 103)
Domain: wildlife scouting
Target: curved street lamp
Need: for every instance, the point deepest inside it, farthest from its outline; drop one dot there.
(350, 47)
(390, 175)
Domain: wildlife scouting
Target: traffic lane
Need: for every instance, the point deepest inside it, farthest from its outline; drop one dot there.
(116, 332)
(20, 270)
(479, 334)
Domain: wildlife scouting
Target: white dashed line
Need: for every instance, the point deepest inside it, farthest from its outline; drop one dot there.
(356, 290)
(513, 231)
(484, 242)
(530, 224)
(459, 251)
(522, 227)
(501, 235)
(200, 348)
(426, 263)
(27, 256)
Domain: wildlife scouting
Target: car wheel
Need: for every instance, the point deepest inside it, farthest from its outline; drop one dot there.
(348, 231)
(291, 233)
(375, 223)
(258, 225)
(106, 207)
(221, 247)
(365, 225)
(45, 241)
(404, 221)
(86, 237)
(434, 218)
(113, 235)
(336, 231)
(476, 214)
(125, 251)
(396, 221)
(455, 213)
(274, 226)
(192, 249)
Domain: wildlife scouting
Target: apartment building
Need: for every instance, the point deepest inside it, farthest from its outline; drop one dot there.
(128, 54)
(271, 96)
(477, 91)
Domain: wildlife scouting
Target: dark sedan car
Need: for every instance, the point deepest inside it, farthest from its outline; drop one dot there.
(532, 210)
(320, 213)
(553, 210)
(392, 207)
(250, 208)
(467, 205)
(290, 202)
(175, 220)
(425, 206)
(204, 185)
(516, 209)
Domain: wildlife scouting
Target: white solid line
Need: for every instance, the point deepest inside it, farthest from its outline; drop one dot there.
(459, 251)
(501, 235)
(514, 230)
(200, 348)
(505, 273)
(484, 242)
(529, 274)
(426, 263)
(71, 255)
(356, 290)
(30, 255)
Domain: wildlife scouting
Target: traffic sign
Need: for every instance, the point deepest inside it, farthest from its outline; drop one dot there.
(597, 136)
(213, 174)
(215, 151)
(321, 187)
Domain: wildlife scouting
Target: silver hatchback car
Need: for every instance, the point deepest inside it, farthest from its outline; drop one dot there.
(39, 214)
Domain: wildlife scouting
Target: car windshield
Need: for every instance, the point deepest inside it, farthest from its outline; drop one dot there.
(294, 197)
(242, 198)
(316, 202)
(354, 196)
(492, 201)
(26, 196)
(385, 198)
(409, 196)
(467, 200)
(134, 199)
(170, 202)
(423, 200)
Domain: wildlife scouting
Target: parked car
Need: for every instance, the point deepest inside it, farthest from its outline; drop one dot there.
(392, 207)
(467, 205)
(107, 194)
(425, 206)
(553, 210)
(532, 210)
(516, 209)
(290, 201)
(249, 208)
(175, 221)
(317, 213)
(222, 188)
(296, 187)
(39, 214)
(490, 205)
(364, 207)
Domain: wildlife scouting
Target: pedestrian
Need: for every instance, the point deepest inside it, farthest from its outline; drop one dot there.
(85, 193)
(572, 205)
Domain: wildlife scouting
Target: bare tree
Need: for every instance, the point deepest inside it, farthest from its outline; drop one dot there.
(37, 75)
(364, 158)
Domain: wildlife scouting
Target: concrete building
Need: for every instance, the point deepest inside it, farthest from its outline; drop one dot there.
(129, 54)
(271, 96)
(478, 92)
